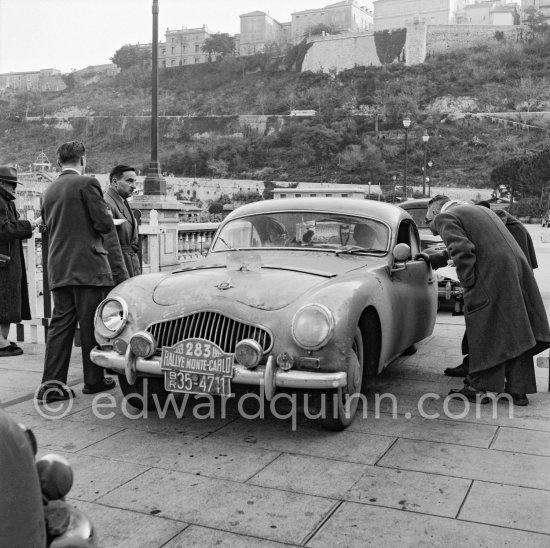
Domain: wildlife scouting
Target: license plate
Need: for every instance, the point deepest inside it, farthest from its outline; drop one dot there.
(197, 366)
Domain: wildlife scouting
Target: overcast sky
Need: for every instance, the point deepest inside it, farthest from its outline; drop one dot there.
(67, 34)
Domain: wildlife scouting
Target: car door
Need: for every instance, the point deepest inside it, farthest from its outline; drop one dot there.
(415, 290)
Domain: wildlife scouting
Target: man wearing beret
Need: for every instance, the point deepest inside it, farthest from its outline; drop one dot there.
(79, 273)
(14, 297)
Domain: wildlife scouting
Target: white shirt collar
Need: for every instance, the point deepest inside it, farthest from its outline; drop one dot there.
(452, 203)
(67, 169)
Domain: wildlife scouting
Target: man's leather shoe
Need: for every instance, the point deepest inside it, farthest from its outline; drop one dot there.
(54, 392)
(520, 399)
(106, 384)
(458, 371)
(471, 394)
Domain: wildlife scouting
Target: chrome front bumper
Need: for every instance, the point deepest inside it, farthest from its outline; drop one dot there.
(269, 375)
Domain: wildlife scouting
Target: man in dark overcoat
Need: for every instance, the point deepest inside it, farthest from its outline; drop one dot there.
(524, 240)
(76, 217)
(122, 184)
(505, 317)
(14, 296)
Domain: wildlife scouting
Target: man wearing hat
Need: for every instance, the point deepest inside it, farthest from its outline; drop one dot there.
(14, 297)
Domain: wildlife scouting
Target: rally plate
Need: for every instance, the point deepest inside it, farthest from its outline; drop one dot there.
(197, 366)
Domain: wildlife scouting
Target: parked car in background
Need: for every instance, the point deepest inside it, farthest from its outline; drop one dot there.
(34, 512)
(309, 294)
(449, 290)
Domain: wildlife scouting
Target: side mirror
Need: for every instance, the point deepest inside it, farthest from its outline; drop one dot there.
(401, 252)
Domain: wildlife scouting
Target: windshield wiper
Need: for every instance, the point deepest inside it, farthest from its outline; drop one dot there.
(226, 244)
(351, 249)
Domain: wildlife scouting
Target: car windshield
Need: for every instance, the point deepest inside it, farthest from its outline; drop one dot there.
(309, 230)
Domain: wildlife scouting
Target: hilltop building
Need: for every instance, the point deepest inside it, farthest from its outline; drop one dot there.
(346, 16)
(183, 47)
(259, 29)
(36, 80)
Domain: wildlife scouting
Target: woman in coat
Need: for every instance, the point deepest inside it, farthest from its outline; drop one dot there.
(14, 297)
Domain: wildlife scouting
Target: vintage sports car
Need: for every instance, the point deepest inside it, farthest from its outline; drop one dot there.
(34, 512)
(449, 289)
(310, 294)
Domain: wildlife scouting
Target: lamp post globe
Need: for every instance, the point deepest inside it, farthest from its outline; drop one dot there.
(406, 124)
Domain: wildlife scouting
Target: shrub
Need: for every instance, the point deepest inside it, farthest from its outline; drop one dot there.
(527, 207)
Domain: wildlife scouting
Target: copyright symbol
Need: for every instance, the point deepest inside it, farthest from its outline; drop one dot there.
(52, 410)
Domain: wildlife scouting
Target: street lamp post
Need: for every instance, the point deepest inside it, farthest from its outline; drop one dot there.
(425, 138)
(394, 181)
(430, 164)
(406, 124)
(154, 184)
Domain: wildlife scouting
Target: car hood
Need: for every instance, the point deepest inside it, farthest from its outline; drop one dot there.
(267, 283)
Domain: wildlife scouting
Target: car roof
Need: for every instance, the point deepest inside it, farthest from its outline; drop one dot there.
(349, 206)
(415, 203)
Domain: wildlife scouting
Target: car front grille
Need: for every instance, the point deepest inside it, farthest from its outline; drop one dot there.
(221, 330)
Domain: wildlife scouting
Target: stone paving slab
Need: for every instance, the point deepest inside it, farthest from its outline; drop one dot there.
(125, 529)
(309, 475)
(362, 525)
(508, 506)
(94, 477)
(523, 441)
(201, 536)
(415, 491)
(470, 462)
(347, 446)
(270, 514)
(185, 453)
(419, 428)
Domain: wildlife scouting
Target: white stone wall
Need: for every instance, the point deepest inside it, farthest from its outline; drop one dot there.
(340, 53)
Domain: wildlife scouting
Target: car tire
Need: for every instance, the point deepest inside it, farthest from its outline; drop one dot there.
(337, 412)
(140, 394)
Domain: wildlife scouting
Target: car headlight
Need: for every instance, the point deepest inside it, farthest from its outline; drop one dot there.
(313, 326)
(111, 317)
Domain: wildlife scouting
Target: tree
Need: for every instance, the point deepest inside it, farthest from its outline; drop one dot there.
(221, 43)
(536, 20)
(128, 56)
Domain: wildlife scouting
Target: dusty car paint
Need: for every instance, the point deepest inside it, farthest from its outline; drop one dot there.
(281, 281)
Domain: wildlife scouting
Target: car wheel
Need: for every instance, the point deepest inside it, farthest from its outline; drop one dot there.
(339, 407)
(140, 394)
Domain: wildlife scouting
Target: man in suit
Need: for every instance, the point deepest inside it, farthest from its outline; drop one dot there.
(505, 317)
(76, 218)
(122, 181)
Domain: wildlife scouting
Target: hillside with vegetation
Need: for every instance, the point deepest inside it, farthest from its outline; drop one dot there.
(355, 137)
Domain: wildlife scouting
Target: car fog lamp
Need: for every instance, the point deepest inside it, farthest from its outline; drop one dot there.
(111, 317)
(143, 344)
(248, 352)
(313, 326)
(285, 361)
(120, 346)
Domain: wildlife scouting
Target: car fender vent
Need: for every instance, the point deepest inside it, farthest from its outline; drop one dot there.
(217, 328)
